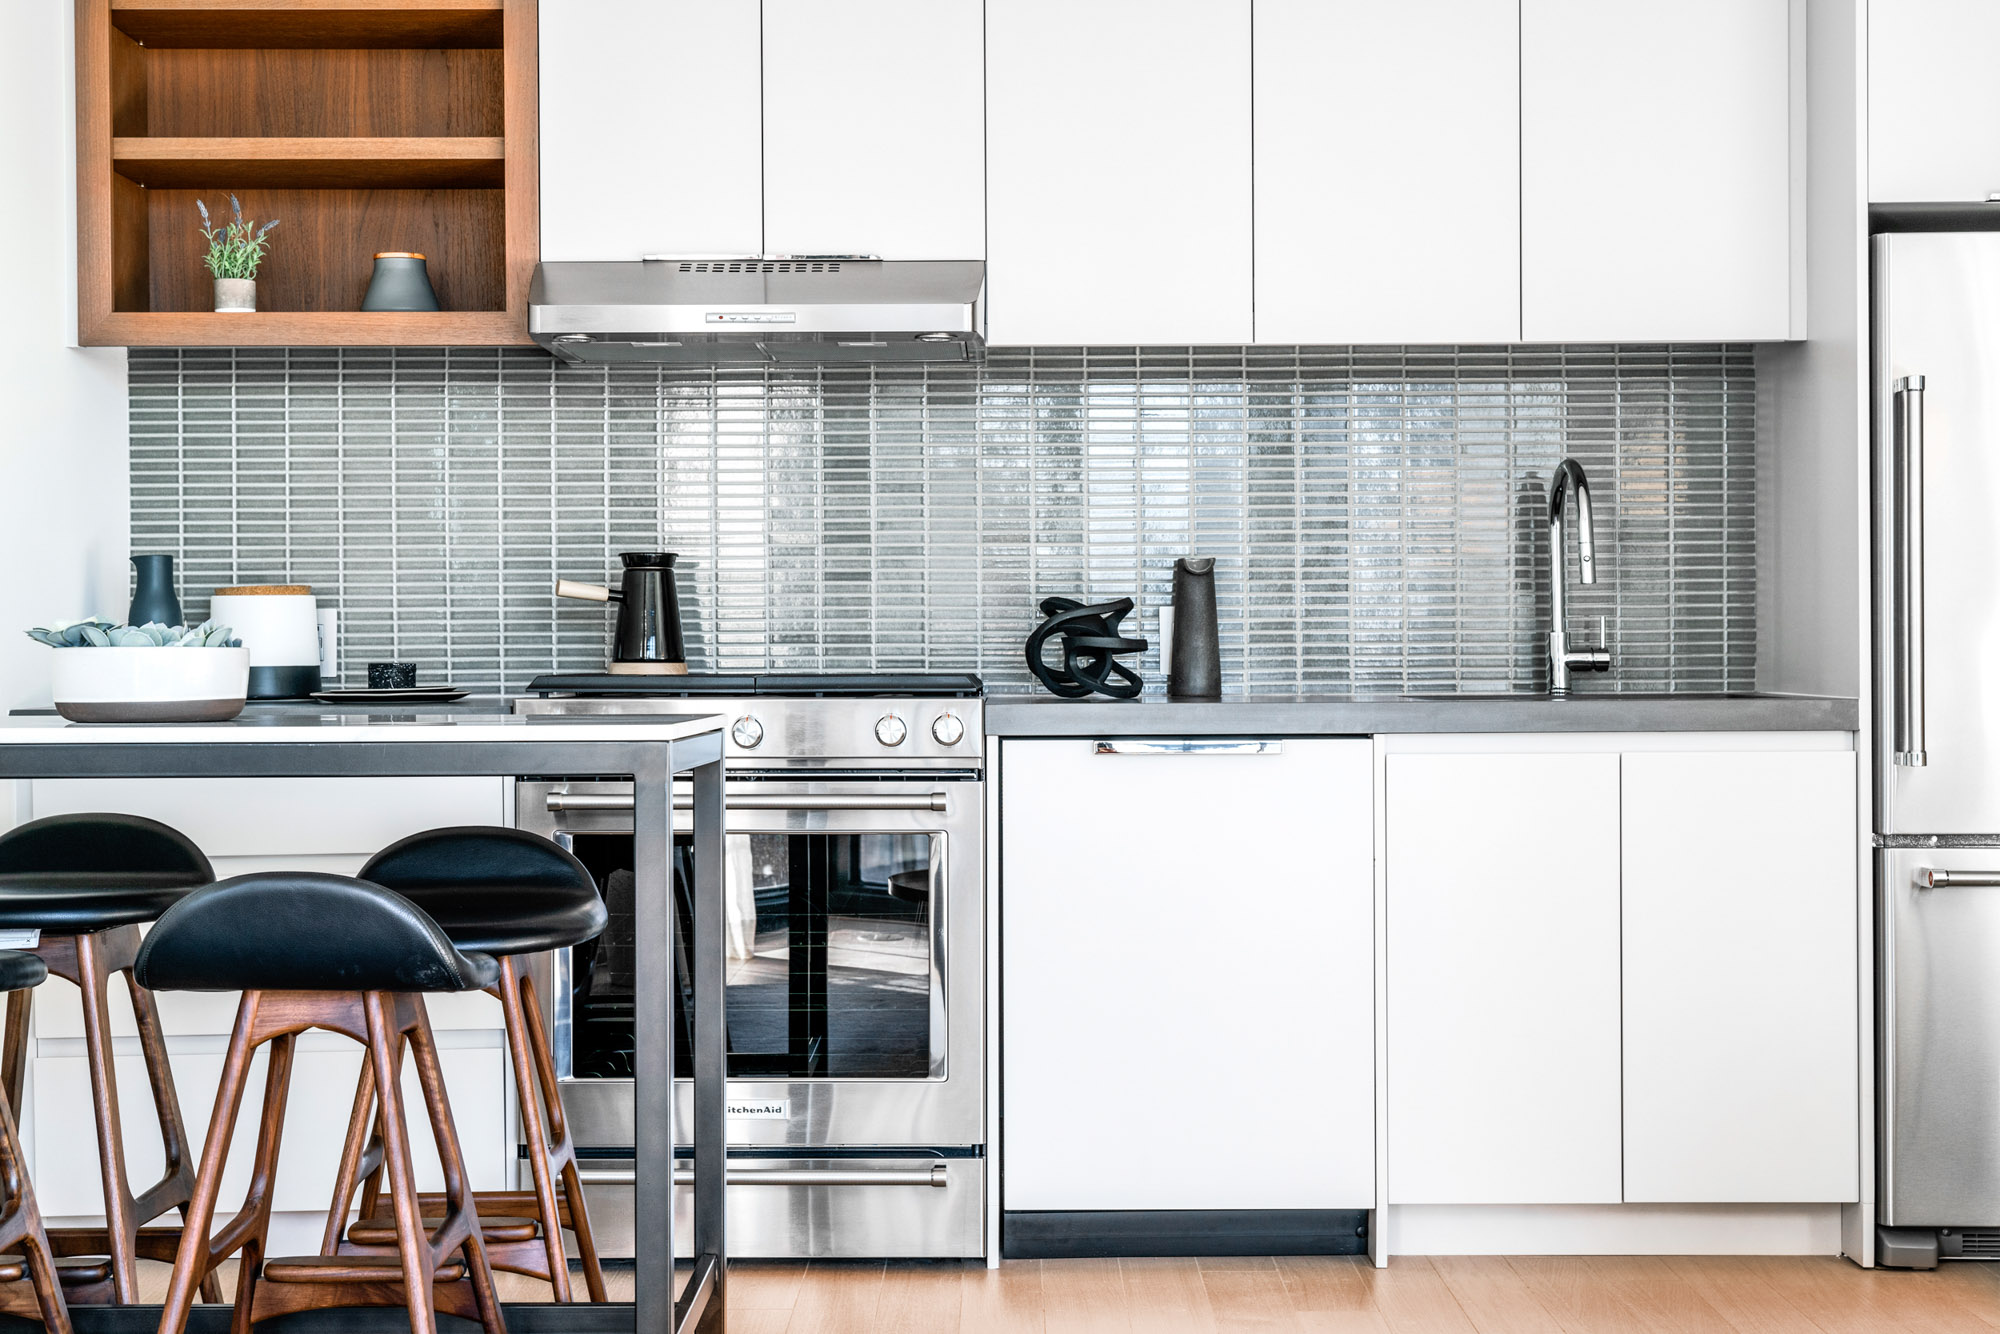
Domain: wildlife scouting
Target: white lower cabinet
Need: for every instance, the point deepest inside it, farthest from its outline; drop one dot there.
(1503, 978)
(1741, 1075)
(1187, 976)
(1624, 974)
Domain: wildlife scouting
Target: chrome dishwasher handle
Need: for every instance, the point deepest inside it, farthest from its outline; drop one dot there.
(1188, 746)
(1929, 877)
(753, 801)
(1908, 581)
(937, 1174)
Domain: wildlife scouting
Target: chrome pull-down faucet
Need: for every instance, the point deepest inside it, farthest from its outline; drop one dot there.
(1562, 658)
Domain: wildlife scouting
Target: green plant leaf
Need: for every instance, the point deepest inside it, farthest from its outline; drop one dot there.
(93, 636)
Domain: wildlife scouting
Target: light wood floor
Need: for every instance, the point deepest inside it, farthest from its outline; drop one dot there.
(1486, 1295)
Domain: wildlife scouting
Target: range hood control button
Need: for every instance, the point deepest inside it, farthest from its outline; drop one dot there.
(890, 730)
(747, 732)
(948, 730)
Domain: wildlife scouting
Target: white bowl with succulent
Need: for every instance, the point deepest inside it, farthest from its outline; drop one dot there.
(105, 673)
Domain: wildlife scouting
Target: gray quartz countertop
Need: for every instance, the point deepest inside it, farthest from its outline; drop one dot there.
(1362, 715)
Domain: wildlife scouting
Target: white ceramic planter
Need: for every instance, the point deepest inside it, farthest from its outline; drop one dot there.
(236, 295)
(149, 685)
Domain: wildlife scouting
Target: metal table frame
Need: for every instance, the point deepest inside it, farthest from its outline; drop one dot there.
(544, 749)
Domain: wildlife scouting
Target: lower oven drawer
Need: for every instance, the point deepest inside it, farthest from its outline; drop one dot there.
(880, 1208)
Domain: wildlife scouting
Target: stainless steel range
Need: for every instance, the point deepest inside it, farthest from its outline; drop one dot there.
(856, 987)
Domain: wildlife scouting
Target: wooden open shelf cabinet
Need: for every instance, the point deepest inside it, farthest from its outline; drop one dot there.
(362, 125)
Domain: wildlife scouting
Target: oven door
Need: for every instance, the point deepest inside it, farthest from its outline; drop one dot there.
(854, 986)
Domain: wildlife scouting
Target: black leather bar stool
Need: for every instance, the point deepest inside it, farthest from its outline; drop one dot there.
(324, 951)
(20, 1218)
(87, 883)
(506, 893)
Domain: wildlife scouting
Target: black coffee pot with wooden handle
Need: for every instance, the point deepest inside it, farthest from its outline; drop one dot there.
(648, 639)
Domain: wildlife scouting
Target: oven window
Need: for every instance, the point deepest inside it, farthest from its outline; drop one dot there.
(830, 971)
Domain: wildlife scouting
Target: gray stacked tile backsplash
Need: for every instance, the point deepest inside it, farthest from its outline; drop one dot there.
(1378, 513)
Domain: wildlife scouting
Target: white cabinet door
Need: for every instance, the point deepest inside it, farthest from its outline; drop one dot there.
(1933, 103)
(1188, 978)
(650, 128)
(1503, 979)
(874, 128)
(1388, 171)
(1655, 170)
(1741, 1065)
(1118, 171)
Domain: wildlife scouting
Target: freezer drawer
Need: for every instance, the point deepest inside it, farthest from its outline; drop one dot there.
(1940, 1036)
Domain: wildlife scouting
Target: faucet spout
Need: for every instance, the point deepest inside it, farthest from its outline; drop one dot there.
(1569, 480)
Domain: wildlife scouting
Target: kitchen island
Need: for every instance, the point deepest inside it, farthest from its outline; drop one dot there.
(303, 743)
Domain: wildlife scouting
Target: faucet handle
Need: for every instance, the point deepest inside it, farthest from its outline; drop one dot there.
(1603, 637)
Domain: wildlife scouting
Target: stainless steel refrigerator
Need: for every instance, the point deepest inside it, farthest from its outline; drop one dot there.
(1937, 778)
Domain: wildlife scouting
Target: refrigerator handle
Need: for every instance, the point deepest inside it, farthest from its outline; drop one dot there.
(1909, 572)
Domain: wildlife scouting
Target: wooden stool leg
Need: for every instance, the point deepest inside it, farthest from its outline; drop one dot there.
(562, 1151)
(385, 1053)
(534, 1127)
(195, 1259)
(21, 1228)
(352, 1152)
(176, 1183)
(14, 1055)
(461, 1207)
(92, 980)
(253, 1221)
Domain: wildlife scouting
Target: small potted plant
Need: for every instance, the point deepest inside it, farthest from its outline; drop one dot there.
(235, 249)
(146, 673)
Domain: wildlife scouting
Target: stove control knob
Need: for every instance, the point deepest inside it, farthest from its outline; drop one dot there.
(747, 732)
(890, 730)
(948, 730)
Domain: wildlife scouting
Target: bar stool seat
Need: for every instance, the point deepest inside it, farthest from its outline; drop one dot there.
(325, 951)
(505, 893)
(493, 890)
(87, 882)
(20, 971)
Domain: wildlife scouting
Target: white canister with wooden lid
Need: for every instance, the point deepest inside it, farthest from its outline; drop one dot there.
(279, 624)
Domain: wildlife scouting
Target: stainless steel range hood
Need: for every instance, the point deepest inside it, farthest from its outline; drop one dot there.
(760, 311)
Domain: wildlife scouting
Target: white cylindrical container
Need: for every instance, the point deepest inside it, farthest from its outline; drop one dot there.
(149, 685)
(279, 624)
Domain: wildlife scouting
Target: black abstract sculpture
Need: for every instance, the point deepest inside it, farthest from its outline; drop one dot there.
(1090, 643)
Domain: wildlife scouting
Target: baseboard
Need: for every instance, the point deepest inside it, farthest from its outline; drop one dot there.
(1614, 1229)
(1099, 1233)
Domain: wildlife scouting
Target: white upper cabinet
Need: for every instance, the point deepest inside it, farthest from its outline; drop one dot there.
(1388, 171)
(1933, 100)
(1118, 171)
(874, 128)
(1742, 1081)
(650, 126)
(1655, 170)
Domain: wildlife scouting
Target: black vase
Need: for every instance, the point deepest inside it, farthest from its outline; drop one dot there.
(153, 596)
(1197, 667)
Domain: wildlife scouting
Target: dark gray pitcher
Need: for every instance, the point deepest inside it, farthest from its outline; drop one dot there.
(153, 596)
(1196, 672)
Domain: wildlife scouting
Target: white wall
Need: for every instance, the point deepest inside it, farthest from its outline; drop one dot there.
(64, 525)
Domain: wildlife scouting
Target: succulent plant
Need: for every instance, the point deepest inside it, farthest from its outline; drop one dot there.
(103, 634)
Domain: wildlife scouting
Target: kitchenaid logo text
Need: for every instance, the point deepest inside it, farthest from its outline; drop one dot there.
(777, 1110)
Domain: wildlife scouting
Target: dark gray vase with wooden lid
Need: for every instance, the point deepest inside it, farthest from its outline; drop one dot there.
(401, 282)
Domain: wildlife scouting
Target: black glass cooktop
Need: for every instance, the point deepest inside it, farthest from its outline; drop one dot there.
(958, 685)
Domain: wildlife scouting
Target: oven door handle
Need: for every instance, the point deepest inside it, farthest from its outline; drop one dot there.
(937, 1174)
(757, 801)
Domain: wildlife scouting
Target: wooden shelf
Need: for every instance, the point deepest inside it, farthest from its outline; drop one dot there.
(362, 125)
(314, 328)
(322, 24)
(295, 163)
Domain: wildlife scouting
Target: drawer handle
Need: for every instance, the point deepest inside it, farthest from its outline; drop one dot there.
(1932, 878)
(1189, 746)
(739, 801)
(937, 1174)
